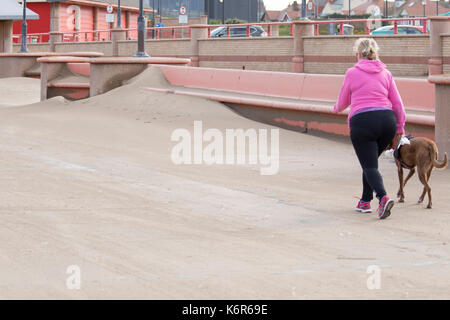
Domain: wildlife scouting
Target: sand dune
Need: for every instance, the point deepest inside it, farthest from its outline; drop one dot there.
(19, 91)
(91, 183)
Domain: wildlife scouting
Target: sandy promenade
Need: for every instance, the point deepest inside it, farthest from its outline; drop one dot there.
(91, 184)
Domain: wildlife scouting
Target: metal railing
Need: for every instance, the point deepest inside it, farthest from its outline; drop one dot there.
(179, 32)
(395, 22)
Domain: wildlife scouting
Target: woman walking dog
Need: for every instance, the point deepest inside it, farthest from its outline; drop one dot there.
(376, 118)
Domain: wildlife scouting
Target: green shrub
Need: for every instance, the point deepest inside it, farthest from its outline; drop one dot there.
(284, 30)
(235, 21)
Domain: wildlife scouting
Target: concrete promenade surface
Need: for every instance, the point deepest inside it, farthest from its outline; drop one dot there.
(91, 183)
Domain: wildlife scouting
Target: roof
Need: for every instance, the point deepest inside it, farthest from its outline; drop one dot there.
(12, 10)
(273, 14)
(415, 8)
(369, 6)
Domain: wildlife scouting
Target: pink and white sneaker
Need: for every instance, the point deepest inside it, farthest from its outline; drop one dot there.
(363, 206)
(384, 210)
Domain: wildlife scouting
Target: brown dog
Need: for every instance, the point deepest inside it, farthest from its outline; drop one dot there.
(423, 154)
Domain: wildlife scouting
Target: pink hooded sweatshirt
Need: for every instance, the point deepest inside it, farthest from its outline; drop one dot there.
(368, 84)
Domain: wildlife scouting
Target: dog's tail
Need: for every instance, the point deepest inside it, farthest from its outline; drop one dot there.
(434, 158)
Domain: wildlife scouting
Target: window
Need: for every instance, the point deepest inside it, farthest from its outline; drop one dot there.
(238, 32)
(413, 31)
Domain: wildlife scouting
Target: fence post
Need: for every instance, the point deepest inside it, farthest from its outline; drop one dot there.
(6, 33)
(274, 30)
(301, 28)
(442, 112)
(117, 34)
(438, 26)
(55, 37)
(198, 31)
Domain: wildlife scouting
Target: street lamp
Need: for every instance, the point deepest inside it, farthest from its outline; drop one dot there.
(160, 11)
(303, 9)
(119, 15)
(153, 24)
(223, 10)
(437, 6)
(386, 7)
(23, 47)
(349, 8)
(424, 3)
(141, 32)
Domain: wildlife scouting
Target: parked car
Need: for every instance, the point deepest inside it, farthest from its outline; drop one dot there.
(402, 29)
(235, 32)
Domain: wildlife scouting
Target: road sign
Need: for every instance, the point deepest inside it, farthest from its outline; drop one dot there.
(110, 17)
(109, 9)
(183, 10)
(182, 19)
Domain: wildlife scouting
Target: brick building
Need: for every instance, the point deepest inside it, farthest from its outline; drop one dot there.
(71, 16)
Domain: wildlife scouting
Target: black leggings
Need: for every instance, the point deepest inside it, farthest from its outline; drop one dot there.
(371, 132)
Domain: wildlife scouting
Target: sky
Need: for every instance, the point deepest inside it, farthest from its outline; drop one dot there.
(277, 4)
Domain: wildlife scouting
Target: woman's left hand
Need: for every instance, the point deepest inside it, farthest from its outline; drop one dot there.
(396, 140)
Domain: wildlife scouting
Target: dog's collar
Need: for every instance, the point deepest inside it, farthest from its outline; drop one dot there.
(397, 154)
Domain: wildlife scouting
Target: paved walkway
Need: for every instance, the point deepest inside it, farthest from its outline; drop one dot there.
(90, 183)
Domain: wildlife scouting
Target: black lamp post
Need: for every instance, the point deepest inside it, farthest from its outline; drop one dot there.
(303, 9)
(141, 32)
(424, 3)
(23, 47)
(349, 8)
(223, 10)
(154, 22)
(119, 15)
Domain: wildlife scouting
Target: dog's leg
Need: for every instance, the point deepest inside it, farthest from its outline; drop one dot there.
(400, 182)
(423, 177)
(430, 201)
(410, 174)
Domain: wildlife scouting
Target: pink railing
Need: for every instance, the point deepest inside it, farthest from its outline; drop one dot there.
(178, 32)
(32, 37)
(395, 21)
(86, 36)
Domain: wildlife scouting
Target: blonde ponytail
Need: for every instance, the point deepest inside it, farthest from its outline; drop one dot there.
(367, 47)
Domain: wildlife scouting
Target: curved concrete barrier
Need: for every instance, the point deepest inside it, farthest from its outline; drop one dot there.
(295, 101)
(26, 64)
(417, 93)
